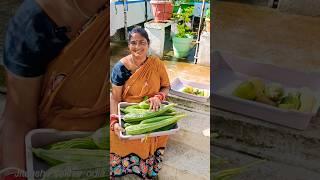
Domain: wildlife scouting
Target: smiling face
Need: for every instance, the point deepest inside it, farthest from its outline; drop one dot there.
(138, 45)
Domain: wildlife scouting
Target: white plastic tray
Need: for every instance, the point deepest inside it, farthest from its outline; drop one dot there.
(132, 137)
(41, 137)
(229, 69)
(178, 84)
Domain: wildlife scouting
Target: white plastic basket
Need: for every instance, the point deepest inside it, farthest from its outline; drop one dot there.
(132, 137)
(41, 137)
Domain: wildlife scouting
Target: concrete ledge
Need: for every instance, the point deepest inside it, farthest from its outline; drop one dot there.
(194, 105)
(268, 140)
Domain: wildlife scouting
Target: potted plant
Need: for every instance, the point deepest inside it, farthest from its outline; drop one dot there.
(183, 38)
(176, 5)
(184, 4)
(207, 20)
(161, 9)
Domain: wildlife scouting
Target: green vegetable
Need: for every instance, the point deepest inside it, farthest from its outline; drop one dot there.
(135, 106)
(130, 124)
(230, 173)
(146, 115)
(144, 128)
(155, 119)
(102, 138)
(246, 90)
(126, 125)
(170, 114)
(136, 111)
(83, 143)
(80, 170)
(99, 139)
(171, 110)
(274, 91)
(166, 128)
(123, 110)
(144, 105)
(55, 157)
(131, 109)
(292, 101)
(188, 89)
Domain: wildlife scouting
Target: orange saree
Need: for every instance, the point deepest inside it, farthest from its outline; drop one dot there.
(74, 93)
(135, 156)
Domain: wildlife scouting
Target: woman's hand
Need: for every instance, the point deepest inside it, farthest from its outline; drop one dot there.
(117, 129)
(155, 103)
(114, 124)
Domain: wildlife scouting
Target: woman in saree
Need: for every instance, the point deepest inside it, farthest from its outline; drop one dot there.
(134, 77)
(56, 62)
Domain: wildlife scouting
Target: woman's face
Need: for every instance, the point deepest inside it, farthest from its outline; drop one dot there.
(138, 45)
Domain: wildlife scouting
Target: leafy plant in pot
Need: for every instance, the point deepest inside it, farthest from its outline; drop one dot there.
(182, 41)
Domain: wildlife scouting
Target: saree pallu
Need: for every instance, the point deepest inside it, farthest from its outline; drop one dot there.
(142, 158)
(75, 87)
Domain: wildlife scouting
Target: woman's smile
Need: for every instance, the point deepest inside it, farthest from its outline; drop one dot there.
(138, 45)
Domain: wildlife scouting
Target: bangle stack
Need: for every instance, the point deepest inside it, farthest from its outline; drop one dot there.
(161, 96)
(113, 120)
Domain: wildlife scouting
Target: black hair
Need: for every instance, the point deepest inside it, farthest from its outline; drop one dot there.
(140, 31)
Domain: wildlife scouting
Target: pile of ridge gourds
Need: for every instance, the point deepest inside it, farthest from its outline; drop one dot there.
(139, 119)
(79, 158)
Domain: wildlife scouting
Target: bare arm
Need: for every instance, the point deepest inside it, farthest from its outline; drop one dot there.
(165, 90)
(18, 118)
(115, 98)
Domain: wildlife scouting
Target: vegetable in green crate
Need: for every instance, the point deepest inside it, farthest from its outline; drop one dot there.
(80, 170)
(149, 114)
(144, 128)
(55, 157)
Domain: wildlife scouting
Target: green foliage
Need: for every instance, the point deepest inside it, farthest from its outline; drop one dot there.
(208, 14)
(183, 19)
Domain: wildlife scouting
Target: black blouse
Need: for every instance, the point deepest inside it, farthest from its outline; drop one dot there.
(120, 74)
